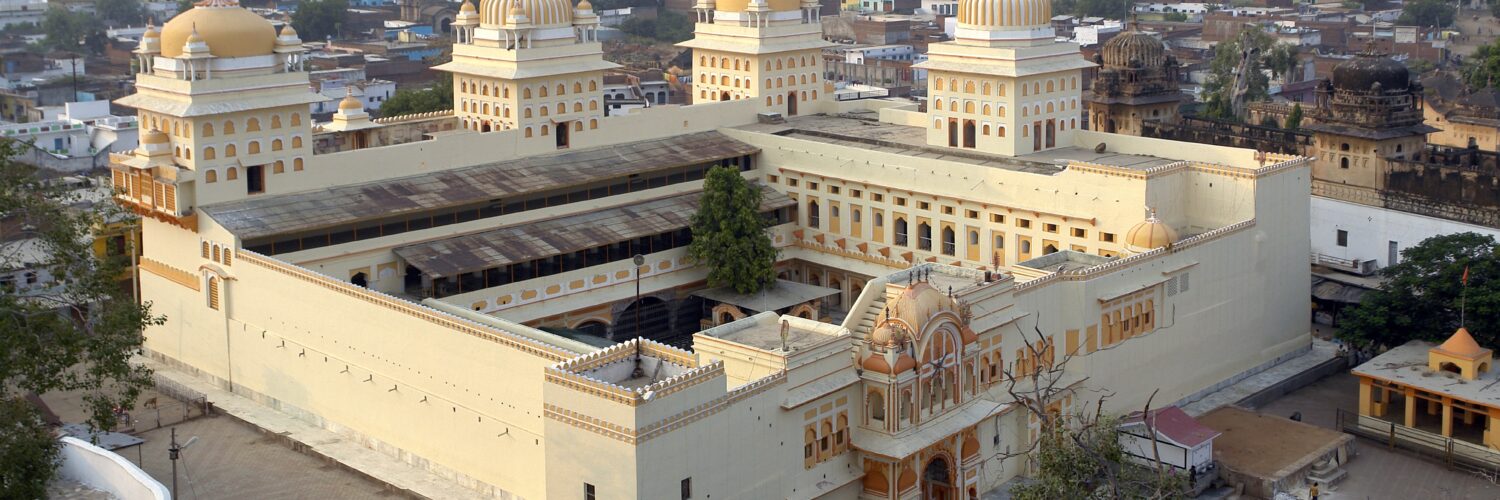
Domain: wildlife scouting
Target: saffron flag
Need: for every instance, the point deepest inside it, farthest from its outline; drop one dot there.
(1466, 276)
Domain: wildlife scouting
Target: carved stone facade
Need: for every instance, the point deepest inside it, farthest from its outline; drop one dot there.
(1137, 82)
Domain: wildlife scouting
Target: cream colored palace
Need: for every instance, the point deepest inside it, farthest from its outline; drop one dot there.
(441, 287)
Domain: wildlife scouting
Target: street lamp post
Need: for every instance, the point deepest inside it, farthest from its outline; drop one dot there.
(638, 260)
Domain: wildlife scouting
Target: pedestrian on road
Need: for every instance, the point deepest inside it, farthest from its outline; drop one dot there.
(1313, 493)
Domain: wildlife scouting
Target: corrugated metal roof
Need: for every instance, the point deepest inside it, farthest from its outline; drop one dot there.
(259, 217)
(530, 241)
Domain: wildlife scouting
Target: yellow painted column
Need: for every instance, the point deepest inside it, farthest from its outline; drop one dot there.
(1447, 416)
(1492, 430)
(1364, 396)
(1432, 407)
(1411, 407)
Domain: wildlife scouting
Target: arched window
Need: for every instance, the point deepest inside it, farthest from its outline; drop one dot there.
(593, 105)
(1343, 163)
(278, 167)
(296, 142)
(577, 107)
(255, 147)
(541, 91)
(562, 108)
(593, 123)
(210, 177)
(252, 125)
(875, 406)
(213, 293)
(577, 87)
(813, 214)
(949, 246)
(229, 152)
(228, 127)
(924, 236)
(969, 86)
(231, 174)
(208, 130)
(208, 154)
(205, 249)
(901, 236)
(562, 89)
(296, 119)
(275, 121)
(937, 83)
(985, 89)
(526, 113)
(297, 165)
(1050, 87)
(526, 93)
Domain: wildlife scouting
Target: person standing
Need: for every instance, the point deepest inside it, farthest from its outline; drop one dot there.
(1312, 493)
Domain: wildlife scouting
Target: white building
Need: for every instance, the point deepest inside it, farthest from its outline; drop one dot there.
(858, 55)
(74, 137)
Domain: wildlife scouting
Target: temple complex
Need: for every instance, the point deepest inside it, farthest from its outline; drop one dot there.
(500, 294)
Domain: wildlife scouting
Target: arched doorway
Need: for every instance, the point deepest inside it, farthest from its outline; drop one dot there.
(360, 280)
(484, 127)
(968, 133)
(723, 96)
(1109, 126)
(412, 282)
(937, 482)
(791, 103)
(1051, 133)
(952, 133)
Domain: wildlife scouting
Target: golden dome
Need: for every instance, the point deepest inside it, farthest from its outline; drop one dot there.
(288, 30)
(907, 478)
(1150, 234)
(151, 32)
(919, 303)
(992, 14)
(1462, 345)
(350, 103)
(154, 136)
(888, 334)
(492, 13)
(585, 5)
(467, 7)
(229, 30)
(876, 363)
(743, 5)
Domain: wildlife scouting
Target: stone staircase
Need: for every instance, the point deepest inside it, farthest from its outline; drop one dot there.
(864, 321)
(1327, 475)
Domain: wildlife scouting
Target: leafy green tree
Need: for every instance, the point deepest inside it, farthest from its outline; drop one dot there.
(1294, 118)
(1482, 68)
(1420, 298)
(668, 27)
(730, 235)
(1175, 17)
(28, 451)
(120, 12)
(320, 19)
(1427, 13)
(1281, 59)
(1420, 66)
(436, 98)
(72, 31)
(77, 335)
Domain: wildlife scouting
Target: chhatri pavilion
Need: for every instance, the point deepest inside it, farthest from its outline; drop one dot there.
(1445, 389)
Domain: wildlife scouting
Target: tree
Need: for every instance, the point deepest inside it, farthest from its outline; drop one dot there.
(730, 234)
(668, 27)
(1281, 59)
(28, 451)
(185, 5)
(1294, 118)
(436, 98)
(320, 19)
(1224, 67)
(72, 31)
(1437, 13)
(1078, 453)
(123, 12)
(1420, 66)
(1113, 9)
(77, 335)
(1175, 17)
(1420, 298)
(1482, 68)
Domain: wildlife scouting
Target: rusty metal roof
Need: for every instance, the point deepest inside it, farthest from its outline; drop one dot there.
(264, 216)
(535, 240)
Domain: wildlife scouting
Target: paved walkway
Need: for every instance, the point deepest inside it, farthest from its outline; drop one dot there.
(1377, 472)
(1322, 350)
(317, 442)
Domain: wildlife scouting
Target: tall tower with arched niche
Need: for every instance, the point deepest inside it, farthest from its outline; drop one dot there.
(533, 65)
(766, 50)
(1004, 84)
(223, 106)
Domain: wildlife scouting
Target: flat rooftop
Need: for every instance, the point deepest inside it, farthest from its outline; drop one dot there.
(782, 294)
(1065, 260)
(863, 130)
(1407, 365)
(1268, 446)
(763, 331)
(943, 277)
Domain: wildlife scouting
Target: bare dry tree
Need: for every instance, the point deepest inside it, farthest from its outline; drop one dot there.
(1038, 384)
